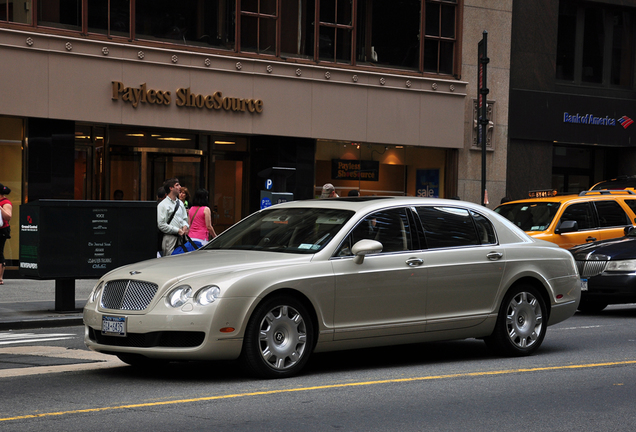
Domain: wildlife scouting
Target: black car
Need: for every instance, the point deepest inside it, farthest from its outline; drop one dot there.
(608, 271)
(620, 182)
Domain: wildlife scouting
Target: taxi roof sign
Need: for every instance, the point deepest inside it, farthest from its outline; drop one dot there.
(543, 193)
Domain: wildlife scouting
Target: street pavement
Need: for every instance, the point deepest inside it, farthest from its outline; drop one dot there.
(28, 304)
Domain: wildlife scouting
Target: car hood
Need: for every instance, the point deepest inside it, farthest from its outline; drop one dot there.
(614, 249)
(176, 268)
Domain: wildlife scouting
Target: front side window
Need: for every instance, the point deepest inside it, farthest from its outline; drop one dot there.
(289, 230)
(390, 227)
(581, 213)
(446, 227)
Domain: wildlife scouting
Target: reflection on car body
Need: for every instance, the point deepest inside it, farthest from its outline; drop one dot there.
(326, 275)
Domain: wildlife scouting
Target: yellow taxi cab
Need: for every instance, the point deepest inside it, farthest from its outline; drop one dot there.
(570, 220)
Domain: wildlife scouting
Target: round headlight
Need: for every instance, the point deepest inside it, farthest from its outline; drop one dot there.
(178, 296)
(207, 294)
(95, 293)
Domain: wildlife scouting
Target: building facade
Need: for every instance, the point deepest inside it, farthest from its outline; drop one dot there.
(572, 97)
(109, 96)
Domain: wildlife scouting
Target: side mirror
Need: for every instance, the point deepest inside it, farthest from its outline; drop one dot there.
(365, 247)
(628, 228)
(567, 226)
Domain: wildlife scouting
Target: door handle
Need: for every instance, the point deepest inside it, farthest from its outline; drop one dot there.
(494, 256)
(414, 262)
(590, 239)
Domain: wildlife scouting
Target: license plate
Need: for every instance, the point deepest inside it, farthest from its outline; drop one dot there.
(114, 326)
(583, 284)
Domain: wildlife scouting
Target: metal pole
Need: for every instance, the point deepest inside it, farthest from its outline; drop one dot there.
(483, 111)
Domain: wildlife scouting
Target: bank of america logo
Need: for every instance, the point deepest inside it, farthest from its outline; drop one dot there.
(625, 122)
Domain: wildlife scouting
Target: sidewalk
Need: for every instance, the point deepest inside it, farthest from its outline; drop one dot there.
(28, 304)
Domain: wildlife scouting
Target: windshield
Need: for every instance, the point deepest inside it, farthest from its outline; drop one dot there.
(533, 216)
(292, 230)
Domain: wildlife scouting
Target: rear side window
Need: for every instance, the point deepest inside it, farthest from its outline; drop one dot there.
(448, 227)
(485, 230)
(611, 214)
(581, 213)
(632, 205)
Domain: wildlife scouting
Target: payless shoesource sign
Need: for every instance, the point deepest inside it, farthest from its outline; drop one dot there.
(184, 97)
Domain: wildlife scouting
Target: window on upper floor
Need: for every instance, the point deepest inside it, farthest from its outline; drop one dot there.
(596, 44)
(417, 35)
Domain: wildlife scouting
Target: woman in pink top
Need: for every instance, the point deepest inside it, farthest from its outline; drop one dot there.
(200, 215)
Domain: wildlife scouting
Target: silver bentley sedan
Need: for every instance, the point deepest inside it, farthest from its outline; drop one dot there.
(335, 274)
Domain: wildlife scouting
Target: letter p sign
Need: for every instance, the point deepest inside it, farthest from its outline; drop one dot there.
(268, 184)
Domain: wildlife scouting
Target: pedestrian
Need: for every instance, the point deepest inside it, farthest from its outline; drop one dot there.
(201, 228)
(161, 194)
(6, 211)
(118, 195)
(328, 191)
(184, 196)
(353, 193)
(172, 217)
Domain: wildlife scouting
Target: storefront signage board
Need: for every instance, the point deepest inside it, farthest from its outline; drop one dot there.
(365, 170)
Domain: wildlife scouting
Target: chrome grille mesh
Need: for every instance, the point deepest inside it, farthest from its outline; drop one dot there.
(591, 268)
(128, 294)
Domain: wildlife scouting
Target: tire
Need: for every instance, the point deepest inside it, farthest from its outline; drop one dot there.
(279, 339)
(521, 323)
(591, 307)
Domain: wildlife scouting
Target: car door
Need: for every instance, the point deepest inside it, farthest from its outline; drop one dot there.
(386, 294)
(465, 267)
(612, 219)
(584, 215)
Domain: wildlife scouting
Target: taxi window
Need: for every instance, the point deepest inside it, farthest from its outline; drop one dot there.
(611, 214)
(632, 204)
(581, 213)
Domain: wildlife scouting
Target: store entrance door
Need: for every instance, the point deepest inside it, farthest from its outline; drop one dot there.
(139, 172)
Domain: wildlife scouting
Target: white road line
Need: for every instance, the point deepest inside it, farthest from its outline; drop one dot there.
(16, 338)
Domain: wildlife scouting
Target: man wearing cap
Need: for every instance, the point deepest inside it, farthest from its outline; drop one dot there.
(328, 191)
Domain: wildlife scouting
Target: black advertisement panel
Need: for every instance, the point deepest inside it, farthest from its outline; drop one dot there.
(366, 170)
(84, 239)
(559, 117)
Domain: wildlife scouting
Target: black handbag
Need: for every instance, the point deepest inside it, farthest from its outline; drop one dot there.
(5, 232)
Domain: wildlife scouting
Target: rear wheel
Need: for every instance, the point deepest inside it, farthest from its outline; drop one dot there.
(521, 323)
(278, 339)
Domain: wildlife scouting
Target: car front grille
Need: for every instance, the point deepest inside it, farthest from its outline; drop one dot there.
(127, 294)
(591, 268)
(168, 339)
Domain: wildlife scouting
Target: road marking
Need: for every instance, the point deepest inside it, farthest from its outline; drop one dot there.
(323, 387)
(18, 338)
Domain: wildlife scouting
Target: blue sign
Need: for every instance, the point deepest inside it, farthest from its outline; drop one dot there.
(266, 202)
(268, 184)
(427, 183)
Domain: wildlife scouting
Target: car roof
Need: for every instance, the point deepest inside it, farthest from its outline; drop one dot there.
(595, 195)
(620, 182)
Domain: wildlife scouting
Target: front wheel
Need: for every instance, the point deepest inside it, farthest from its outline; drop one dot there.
(521, 323)
(279, 339)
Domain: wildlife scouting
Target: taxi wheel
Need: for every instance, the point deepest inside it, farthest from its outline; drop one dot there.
(521, 323)
(279, 339)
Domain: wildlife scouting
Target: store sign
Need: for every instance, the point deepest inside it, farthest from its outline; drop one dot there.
(427, 183)
(590, 119)
(184, 97)
(355, 170)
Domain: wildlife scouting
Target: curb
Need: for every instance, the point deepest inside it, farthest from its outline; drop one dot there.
(49, 322)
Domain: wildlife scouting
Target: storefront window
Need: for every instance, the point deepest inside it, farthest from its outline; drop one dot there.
(11, 131)
(66, 14)
(378, 169)
(188, 22)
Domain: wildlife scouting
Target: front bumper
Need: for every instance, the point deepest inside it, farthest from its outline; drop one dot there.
(189, 333)
(613, 288)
